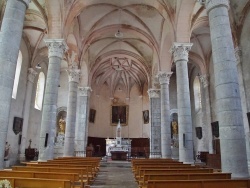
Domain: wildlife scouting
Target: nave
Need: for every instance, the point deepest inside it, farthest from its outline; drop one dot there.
(79, 172)
(114, 174)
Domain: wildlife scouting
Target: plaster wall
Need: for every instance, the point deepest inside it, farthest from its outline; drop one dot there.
(102, 104)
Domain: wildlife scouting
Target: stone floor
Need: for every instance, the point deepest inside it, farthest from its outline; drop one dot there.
(115, 174)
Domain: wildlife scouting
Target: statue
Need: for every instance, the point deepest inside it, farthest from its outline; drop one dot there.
(6, 152)
(62, 124)
(175, 127)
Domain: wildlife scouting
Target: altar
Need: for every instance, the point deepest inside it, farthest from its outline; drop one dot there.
(118, 148)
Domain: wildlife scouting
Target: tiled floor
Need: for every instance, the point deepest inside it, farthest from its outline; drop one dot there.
(115, 174)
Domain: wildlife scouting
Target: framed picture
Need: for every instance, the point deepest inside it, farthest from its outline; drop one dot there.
(145, 116)
(92, 113)
(17, 125)
(119, 112)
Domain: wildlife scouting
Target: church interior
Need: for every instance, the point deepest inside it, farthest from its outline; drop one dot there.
(126, 80)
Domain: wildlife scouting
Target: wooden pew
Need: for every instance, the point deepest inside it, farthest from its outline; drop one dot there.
(232, 183)
(188, 176)
(177, 166)
(36, 183)
(171, 171)
(95, 164)
(73, 177)
(92, 172)
(83, 173)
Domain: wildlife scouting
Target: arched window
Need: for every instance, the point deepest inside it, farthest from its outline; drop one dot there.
(40, 91)
(197, 94)
(17, 74)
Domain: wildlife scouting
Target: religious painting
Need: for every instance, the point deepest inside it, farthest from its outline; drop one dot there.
(145, 115)
(92, 113)
(17, 125)
(119, 113)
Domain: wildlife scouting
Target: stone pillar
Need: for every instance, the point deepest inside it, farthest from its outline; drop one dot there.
(238, 55)
(74, 77)
(31, 76)
(206, 113)
(164, 78)
(82, 123)
(10, 39)
(57, 48)
(180, 52)
(232, 139)
(155, 114)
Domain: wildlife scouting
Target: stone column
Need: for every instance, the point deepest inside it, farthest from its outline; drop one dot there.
(31, 76)
(82, 121)
(56, 48)
(232, 139)
(10, 39)
(206, 113)
(238, 55)
(155, 114)
(74, 77)
(164, 78)
(180, 52)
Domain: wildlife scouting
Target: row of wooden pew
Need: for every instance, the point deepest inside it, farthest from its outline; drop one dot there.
(167, 173)
(66, 172)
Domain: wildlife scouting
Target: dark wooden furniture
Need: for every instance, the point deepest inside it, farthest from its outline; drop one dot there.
(119, 155)
(30, 153)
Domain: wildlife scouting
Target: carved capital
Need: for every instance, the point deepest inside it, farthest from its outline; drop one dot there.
(154, 93)
(180, 51)
(84, 91)
(26, 2)
(74, 73)
(211, 4)
(204, 80)
(57, 47)
(164, 77)
(31, 75)
(238, 54)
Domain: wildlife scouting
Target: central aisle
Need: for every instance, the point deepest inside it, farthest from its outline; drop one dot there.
(115, 174)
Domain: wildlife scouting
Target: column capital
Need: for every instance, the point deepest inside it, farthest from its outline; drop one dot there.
(180, 51)
(211, 4)
(154, 93)
(31, 75)
(84, 91)
(26, 2)
(74, 73)
(164, 77)
(238, 54)
(204, 80)
(57, 47)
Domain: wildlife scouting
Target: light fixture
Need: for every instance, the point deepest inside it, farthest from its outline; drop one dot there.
(119, 34)
(38, 66)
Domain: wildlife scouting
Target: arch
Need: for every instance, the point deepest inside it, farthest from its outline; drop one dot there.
(40, 91)
(17, 74)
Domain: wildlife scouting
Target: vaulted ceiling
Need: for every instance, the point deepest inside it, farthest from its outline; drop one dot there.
(123, 42)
